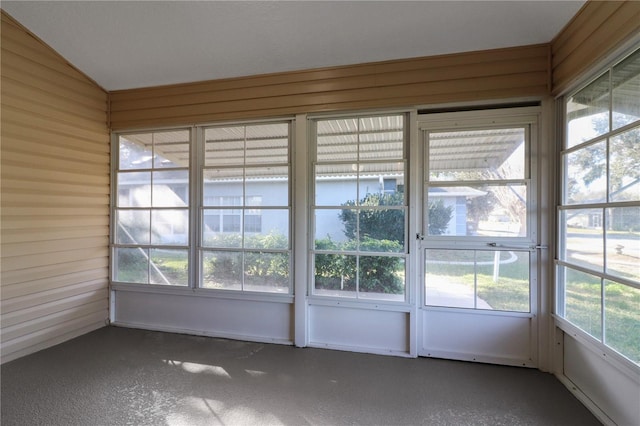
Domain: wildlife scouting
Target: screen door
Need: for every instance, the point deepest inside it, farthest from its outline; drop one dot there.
(478, 241)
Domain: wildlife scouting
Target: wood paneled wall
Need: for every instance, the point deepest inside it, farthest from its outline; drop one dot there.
(597, 29)
(484, 75)
(55, 197)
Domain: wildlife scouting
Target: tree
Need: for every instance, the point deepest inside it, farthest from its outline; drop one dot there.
(590, 162)
(377, 224)
(479, 208)
(439, 217)
(389, 224)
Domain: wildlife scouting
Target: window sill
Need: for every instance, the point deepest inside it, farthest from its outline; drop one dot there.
(202, 292)
(369, 304)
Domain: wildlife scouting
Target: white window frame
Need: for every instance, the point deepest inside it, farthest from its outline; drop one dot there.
(598, 343)
(114, 194)
(196, 201)
(227, 211)
(408, 119)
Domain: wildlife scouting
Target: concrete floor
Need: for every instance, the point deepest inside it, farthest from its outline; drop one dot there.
(117, 376)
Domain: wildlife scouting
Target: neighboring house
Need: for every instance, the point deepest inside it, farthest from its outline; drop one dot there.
(273, 192)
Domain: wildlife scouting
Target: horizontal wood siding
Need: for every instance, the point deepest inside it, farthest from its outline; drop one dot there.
(597, 29)
(484, 75)
(55, 197)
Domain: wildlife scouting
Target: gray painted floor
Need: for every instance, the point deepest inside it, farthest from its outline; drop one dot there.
(117, 376)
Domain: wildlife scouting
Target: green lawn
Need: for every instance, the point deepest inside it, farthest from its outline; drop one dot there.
(621, 312)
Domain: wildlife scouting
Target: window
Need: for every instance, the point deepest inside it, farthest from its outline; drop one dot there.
(242, 206)
(598, 272)
(245, 212)
(151, 212)
(359, 210)
(229, 220)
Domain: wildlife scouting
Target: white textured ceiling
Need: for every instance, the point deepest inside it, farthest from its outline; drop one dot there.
(126, 44)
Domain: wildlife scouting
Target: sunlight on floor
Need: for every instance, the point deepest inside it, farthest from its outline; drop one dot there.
(204, 411)
(194, 367)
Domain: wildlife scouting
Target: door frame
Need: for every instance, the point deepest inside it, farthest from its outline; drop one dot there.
(430, 315)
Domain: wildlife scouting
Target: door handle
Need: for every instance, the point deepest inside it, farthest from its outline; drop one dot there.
(535, 247)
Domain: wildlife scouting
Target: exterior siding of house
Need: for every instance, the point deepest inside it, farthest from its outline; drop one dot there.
(55, 197)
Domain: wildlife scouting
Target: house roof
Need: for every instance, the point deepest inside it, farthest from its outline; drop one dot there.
(132, 44)
(625, 81)
(377, 140)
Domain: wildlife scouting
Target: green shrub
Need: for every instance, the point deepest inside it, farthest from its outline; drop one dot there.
(266, 268)
(378, 274)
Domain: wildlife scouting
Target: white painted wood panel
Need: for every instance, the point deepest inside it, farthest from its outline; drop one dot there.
(613, 390)
(251, 320)
(474, 336)
(359, 329)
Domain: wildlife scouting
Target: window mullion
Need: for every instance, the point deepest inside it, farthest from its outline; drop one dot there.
(196, 211)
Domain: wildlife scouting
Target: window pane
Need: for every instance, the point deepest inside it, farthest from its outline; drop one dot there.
(170, 227)
(450, 278)
(171, 149)
(337, 140)
(583, 301)
(266, 272)
(223, 187)
(491, 154)
(503, 280)
(380, 230)
(267, 186)
(224, 146)
(335, 275)
(134, 189)
(252, 222)
(583, 238)
(135, 152)
(624, 166)
(382, 277)
(622, 319)
(222, 270)
(381, 138)
(211, 222)
(587, 112)
(267, 144)
(585, 174)
(623, 242)
(133, 226)
(131, 265)
(333, 228)
(377, 178)
(213, 230)
(169, 267)
(480, 279)
(488, 210)
(373, 183)
(231, 223)
(170, 188)
(626, 91)
(273, 232)
(336, 184)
